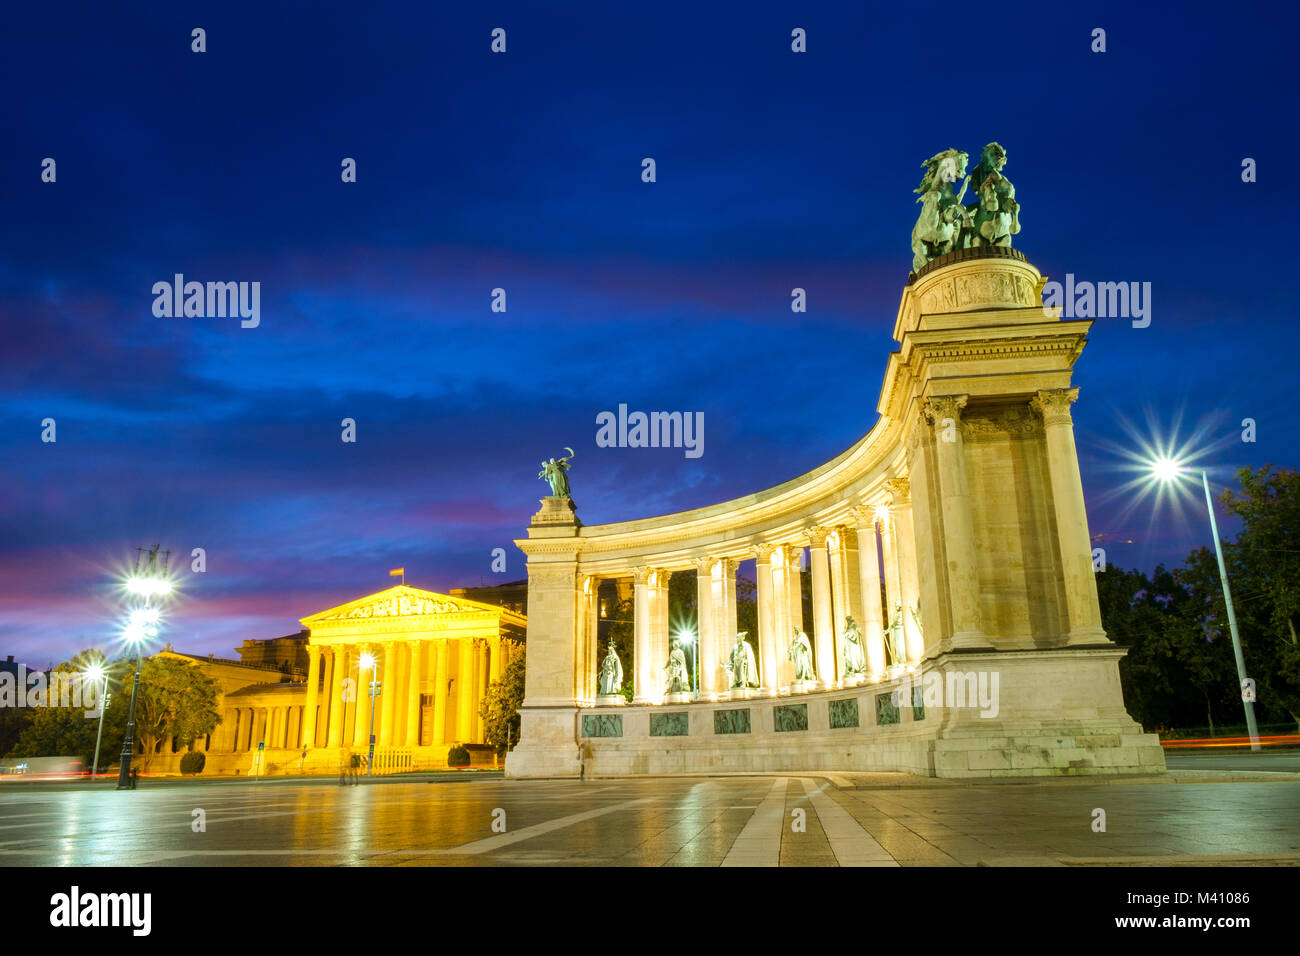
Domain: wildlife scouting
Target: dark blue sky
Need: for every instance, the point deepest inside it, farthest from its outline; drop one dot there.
(522, 171)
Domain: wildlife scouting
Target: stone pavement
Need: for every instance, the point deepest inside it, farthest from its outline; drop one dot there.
(786, 820)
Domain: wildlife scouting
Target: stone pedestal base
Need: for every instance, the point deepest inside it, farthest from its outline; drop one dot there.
(611, 700)
(803, 687)
(682, 697)
(973, 715)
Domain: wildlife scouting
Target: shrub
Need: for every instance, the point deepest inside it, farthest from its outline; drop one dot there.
(193, 762)
(458, 756)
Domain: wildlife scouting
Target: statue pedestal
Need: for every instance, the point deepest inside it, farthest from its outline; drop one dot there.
(681, 697)
(561, 511)
(610, 700)
(854, 680)
(803, 686)
(895, 671)
(741, 693)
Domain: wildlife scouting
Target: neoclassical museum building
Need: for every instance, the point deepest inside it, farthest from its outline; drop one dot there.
(301, 704)
(953, 534)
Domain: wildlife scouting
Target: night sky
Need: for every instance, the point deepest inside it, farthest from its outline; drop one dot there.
(523, 171)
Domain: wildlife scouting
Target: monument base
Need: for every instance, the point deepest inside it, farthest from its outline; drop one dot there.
(803, 687)
(682, 697)
(611, 700)
(972, 715)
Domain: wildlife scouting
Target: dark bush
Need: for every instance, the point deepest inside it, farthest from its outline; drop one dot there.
(192, 762)
(458, 756)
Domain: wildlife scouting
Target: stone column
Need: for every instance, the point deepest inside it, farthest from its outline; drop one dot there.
(778, 614)
(707, 657)
(441, 686)
(498, 665)
(465, 692)
(313, 693)
(1073, 540)
(414, 681)
(729, 626)
(326, 704)
(770, 675)
(839, 594)
(338, 709)
(905, 550)
(389, 677)
(481, 686)
(585, 635)
(823, 622)
(944, 413)
(873, 621)
(661, 627)
(794, 587)
(643, 687)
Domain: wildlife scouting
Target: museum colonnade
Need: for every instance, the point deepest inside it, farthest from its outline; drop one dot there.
(422, 702)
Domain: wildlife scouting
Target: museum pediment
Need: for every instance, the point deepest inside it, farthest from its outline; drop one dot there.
(402, 601)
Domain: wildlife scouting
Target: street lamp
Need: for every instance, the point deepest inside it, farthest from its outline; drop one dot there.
(1168, 470)
(148, 583)
(368, 664)
(94, 673)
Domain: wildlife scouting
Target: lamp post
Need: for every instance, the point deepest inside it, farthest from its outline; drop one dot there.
(368, 664)
(93, 674)
(148, 583)
(1168, 470)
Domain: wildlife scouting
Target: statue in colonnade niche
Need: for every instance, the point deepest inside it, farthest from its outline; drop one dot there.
(855, 654)
(611, 673)
(554, 471)
(897, 639)
(679, 681)
(744, 670)
(801, 654)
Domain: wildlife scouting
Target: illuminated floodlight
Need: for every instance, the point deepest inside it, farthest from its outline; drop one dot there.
(367, 661)
(882, 514)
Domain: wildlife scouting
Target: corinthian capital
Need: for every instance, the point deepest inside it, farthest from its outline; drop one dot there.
(763, 551)
(940, 407)
(817, 536)
(1054, 404)
(900, 489)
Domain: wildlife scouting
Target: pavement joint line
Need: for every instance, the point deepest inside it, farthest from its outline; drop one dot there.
(489, 844)
(849, 840)
(759, 843)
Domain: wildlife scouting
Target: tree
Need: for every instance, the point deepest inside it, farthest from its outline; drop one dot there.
(500, 707)
(175, 699)
(55, 731)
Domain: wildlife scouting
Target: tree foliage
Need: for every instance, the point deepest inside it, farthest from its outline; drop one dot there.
(500, 707)
(1180, 670)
